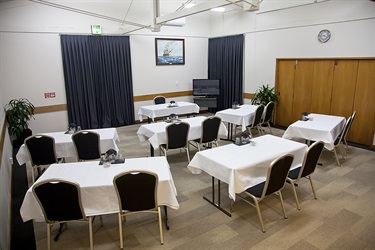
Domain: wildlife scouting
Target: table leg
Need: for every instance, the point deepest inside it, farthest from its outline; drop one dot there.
(230, 133)
(217, 205)
(152, 152)
(166, 218)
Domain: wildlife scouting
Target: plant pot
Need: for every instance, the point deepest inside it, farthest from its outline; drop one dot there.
(17, 143)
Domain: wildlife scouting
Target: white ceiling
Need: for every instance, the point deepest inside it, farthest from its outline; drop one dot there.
(138, 14)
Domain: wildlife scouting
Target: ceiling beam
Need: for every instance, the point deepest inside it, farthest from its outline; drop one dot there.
(194, 10)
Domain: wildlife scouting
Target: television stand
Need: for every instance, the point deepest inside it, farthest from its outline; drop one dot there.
(204, 101)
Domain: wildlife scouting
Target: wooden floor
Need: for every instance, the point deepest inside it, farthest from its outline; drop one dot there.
(343, 216)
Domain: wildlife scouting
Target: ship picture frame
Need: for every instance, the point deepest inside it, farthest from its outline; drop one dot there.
(169, 51)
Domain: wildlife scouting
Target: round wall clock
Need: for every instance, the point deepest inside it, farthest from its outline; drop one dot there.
(324, 36)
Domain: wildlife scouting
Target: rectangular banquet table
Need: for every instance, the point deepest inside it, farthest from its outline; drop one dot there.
(96, 183)
(64, 145)
(155, 132)
(244, 166)
(242, 116)
(161, 110)
(324, 128)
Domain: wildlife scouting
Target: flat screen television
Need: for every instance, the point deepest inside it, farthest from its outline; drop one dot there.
(206, 87)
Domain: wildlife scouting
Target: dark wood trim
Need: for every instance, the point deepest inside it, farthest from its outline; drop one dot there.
(166, 95)
(248, 95)
(51, 108)
(2, 139)
(332, 58)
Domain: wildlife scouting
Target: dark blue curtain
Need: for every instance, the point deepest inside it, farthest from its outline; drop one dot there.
(98, 80)
(225, 62)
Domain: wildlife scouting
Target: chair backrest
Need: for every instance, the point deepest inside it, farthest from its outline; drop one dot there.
(269, 109)
(177, 135)
(159, 99)
(60, 200)
(311, 158)
(277, 174)
(136, 190)
(344, 131)
(258, 115)
(41, 149)
(210, 129)
(352, 120)
(87, 145)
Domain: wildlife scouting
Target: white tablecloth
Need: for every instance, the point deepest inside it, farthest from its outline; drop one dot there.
(161, 110)
(324, 128)
(65, 148)
(155, 132)
(96, 183)
(245, 166)
(242, 116)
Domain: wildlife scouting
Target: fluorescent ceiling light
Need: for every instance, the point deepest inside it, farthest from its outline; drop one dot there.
(219, 9)
(189, 5)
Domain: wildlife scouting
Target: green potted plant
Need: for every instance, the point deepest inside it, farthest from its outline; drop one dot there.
(265, 94)
(18, 113)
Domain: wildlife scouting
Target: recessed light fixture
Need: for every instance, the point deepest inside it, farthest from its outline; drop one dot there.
(218, 9)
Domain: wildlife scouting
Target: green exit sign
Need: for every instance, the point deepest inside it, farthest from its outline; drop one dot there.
(96, 29)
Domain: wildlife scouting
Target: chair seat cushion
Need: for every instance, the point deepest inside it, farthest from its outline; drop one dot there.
(256, 190)
(293, 174)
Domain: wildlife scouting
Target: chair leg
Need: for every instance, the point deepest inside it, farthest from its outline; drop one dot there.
(48, 236)
(188, 155)
(120, 230)
(342, 154)
(269, 126)
(312, 186)
(250, 132)
(295, 193)
(33, 174)
(160, 227)
(282, 204)
(90, 231)
(259, 214)
(337, 158)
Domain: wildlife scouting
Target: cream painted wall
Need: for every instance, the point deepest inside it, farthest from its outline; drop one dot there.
(31, 61)
(292, 33)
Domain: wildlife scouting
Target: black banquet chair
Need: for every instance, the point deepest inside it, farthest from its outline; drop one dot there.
(268, 115)
(210, 132)
(274, 183)
(177, 137)
(87, 145)
(307, 168)
(339, 140)
(350, 125)
(41, 149)
(256, 123)
(60, 201)
(137, 193)
(159, 99)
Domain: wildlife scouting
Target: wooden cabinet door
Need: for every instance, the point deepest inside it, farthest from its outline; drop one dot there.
(303, 83)
(322, 86)
(343, 88)
(284, 89)
(363, 127)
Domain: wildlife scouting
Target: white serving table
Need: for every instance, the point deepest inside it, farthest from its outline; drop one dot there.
(161, 110)
(156, 134)
(96, 183)
(242, 116)
(324, 128)
(65, 148)
(244, 166)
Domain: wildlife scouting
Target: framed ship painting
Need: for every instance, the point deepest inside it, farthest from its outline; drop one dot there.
(169, 51)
